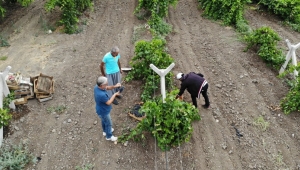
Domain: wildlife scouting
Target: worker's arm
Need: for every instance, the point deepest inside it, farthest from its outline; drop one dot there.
(119, 63)
(102, 68)
(112, 98)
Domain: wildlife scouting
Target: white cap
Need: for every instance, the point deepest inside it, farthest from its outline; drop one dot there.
(179, 76)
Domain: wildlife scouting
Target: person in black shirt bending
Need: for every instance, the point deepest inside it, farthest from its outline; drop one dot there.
(195, 84)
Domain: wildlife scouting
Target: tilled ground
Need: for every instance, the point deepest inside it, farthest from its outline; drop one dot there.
(241, 89)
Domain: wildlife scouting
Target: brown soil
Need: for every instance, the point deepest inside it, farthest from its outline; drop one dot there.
(241, 88)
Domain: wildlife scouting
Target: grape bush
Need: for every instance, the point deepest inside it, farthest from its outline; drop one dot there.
(71, 9)
(230, 12)
(158, 10)
(289, 10)
(265, 40)
(147, 53)
(170, 122)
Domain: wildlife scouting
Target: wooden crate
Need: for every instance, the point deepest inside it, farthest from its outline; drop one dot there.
(19, 101)
(137, 118)
(43, 90)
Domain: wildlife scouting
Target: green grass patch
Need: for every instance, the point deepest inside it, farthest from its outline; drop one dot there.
(261, 123)
(57, 109)
(3, 58)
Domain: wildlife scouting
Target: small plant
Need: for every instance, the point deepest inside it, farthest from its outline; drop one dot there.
(289, 10)
(291, 102)
(3, 58)
(230, 12)
(2, 11)
(5, 117)
(243, 27)
(8, 99)
(15, 157)
(265, 41)
(45, 24)
(24, 3)
(261, 123)
(158, 10)
(85, 167)
(3, 42)
(279, 159)
(147, 53)
(137, 32)
(170, 122)
(159, 27)
(71, 9)
(57, 109)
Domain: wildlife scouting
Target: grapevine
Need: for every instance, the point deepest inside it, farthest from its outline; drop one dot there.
(159, 10)
(265, 39)
(71, 9)
(173, 122)
(231, 12)
(147, 53)
(291, 102)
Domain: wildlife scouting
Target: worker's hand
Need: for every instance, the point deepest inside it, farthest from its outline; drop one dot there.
(121, 71)
(117, 93)
(177, 97)
(117, 85)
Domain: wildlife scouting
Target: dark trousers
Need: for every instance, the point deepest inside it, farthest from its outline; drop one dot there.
(204, 94)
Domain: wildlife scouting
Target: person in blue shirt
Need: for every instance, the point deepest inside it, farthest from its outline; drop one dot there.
(113, 70)
(103, 105)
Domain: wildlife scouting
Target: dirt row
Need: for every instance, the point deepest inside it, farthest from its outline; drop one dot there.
(241, 89)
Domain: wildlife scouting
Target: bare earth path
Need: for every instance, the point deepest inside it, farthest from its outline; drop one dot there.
(241, 88)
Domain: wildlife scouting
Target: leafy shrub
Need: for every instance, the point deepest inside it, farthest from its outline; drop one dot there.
(243, 27)
(147, 53)
(3, 42)
(229, 11)
(265, 40)
(5, 115)
(71, 9)
(291, 102)
(8, 99)
(170, 122)
(158, 26)
(2, 11)
(289, 10)
(15, 157)
(24, 3)
(159, 10)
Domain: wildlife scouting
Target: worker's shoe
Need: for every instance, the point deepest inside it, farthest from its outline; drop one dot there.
(205, 106)
(112, 138)
(112, 130)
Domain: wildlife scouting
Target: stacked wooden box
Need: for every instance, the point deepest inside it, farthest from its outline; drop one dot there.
(22, 88)
(43, 86)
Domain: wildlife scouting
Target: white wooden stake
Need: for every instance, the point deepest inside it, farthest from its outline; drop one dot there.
(291, 54)
(162, 73)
